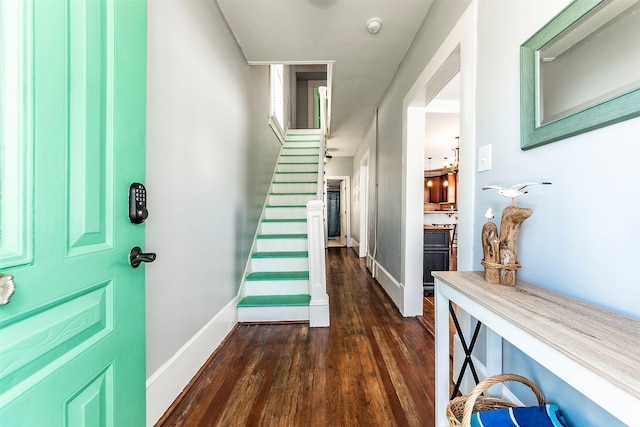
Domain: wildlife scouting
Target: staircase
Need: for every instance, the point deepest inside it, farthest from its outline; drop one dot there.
(276, 287)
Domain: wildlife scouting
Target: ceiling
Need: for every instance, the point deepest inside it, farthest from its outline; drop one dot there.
(321, 31)
(442, 124)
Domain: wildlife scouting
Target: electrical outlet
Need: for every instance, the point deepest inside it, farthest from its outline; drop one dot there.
(484, 158)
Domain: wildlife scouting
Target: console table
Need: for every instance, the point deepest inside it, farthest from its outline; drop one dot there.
(593, 350)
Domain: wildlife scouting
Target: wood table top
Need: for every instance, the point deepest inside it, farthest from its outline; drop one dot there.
(604, 342)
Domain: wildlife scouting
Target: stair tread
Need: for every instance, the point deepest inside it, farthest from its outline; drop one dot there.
(284, 220)
(292, 194)
(296, 182)
(278, 275)
(281, 254)
(282, 236)
(274, 300)
(301, 173)
(286, 206)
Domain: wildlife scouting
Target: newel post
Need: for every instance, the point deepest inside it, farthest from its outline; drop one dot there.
(319, 305)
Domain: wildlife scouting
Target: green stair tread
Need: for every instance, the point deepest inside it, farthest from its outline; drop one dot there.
(299, 172)
(298, 163)
(281, 254)
(278, 275)
(292, 194)
(284, 220)
(295, 182)
(274, 300)
(282, 236)
(300, 155)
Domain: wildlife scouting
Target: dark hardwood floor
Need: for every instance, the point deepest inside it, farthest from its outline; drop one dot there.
(372, 367)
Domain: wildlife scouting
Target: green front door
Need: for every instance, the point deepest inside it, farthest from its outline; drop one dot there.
(72, 128)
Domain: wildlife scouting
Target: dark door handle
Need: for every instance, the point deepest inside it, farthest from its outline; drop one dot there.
(137, 257)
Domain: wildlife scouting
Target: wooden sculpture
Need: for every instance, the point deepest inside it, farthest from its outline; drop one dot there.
(501, 250)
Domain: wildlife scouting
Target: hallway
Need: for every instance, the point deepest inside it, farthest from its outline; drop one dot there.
(372, 367)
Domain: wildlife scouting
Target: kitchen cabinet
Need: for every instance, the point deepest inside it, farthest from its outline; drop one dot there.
(435, 255)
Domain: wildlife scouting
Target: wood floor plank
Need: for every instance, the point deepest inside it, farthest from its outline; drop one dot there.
(372, 367)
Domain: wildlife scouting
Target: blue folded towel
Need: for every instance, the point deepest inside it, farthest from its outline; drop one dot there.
(530, 416)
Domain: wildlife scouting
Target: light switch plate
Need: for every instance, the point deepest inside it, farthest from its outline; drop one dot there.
(484, 158)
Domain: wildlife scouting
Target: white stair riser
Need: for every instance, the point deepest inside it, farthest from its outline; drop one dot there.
(296, 177)
(290, 199)
(283, 228)
(293, 135)
(278, 245)
(279, 187)
(299, 135)
(276, 287)
(303, 149)
(298, 159)
(300, 144)
(279, 264)
(273, 314)
(285, 213)
(298, 167)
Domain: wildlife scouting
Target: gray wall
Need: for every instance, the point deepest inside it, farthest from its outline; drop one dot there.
(439, 21)
(339, 166)
(210, 157)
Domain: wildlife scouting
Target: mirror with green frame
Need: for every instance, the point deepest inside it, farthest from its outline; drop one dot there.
(581, 71)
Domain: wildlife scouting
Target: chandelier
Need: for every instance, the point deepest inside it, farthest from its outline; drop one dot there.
(450, 164)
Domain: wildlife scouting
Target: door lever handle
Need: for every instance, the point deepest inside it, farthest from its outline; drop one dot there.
(7, 288)
(137, 257)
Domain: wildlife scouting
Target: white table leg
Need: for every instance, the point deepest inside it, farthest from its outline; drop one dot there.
(442, 356)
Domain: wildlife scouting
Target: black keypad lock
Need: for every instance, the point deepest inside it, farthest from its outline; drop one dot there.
(137, 203)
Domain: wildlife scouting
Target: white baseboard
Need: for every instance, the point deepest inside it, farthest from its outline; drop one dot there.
(391, 286)
(166, 384)
(355, 245)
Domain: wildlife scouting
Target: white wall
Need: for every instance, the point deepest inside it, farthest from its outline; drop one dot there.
(210, 157)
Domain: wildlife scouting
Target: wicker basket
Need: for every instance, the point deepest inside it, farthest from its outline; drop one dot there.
(464, 406)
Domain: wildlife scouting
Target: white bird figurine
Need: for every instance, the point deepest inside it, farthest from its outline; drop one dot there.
(489, 214)
(513, 191)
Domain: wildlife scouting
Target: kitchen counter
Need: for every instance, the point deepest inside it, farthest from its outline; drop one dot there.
(440, 217)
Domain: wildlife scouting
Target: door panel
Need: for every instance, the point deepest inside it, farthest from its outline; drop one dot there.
(73, 334)
(16, 149)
